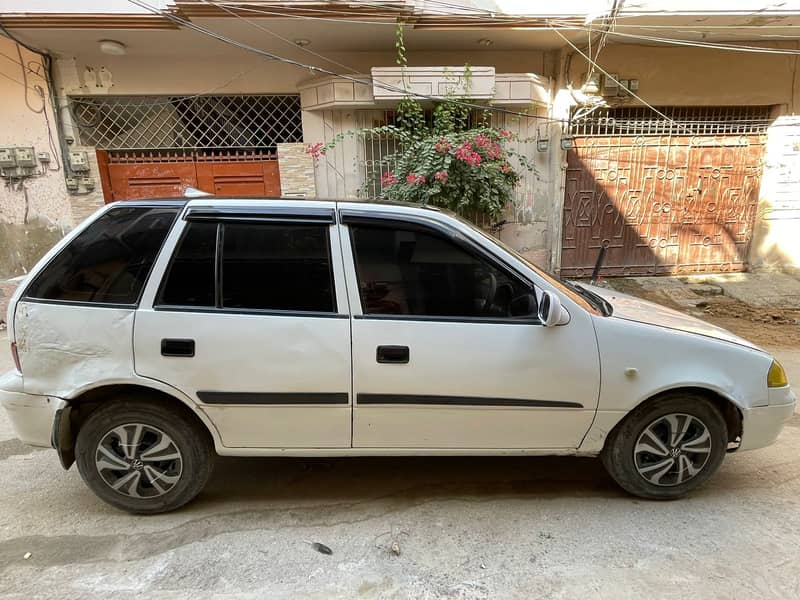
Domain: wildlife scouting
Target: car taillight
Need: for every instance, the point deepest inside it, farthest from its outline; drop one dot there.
(15, 356)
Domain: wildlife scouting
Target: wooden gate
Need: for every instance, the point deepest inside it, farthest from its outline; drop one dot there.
(141, 174)
(661, 204)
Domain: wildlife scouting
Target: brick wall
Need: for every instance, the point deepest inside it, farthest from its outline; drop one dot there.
(297, 171)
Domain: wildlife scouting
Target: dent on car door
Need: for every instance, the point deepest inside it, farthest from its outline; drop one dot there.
(472, 367)
(254, 307)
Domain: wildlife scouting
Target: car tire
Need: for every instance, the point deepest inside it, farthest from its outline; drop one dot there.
(143, 457)
(667, 447)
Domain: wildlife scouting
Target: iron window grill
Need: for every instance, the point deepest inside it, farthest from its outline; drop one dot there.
(682, 120)
(187, 122)
(376, 153)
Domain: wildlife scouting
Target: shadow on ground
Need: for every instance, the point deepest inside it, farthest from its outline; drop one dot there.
(362, 479)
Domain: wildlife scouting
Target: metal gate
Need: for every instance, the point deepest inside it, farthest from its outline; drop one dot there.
(664, 196)
(133, 175)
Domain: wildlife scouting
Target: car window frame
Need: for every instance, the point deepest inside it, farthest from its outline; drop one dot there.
(268, 216)
(387, 220)
(78, 231)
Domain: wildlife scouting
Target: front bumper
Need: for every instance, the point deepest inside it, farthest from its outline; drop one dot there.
(762, 425)
(31, 415)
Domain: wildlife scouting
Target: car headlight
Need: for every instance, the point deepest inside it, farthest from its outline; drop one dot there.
(776, 376)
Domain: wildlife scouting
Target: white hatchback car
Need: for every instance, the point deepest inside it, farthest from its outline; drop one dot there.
(159, 332)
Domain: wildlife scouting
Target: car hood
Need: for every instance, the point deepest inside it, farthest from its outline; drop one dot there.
(641, 311)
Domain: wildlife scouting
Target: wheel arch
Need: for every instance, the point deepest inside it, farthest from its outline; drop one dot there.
(70, 419)
(727, 407)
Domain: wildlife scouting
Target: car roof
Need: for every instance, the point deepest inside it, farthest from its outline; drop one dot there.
(214, 200)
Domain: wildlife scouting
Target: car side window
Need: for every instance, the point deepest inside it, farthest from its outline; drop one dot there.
(277, 267)
(405, 271)
(261, 266)
(109, 261)
(190, 278)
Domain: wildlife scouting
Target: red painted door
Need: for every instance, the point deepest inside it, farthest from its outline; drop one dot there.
(134, 175)
(151, 180)
(256, 178)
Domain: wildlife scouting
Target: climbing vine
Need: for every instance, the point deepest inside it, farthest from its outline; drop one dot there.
(453, 159)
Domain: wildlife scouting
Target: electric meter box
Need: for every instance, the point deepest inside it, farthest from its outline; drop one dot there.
(26, 157)
(8, 159)
(79, 161)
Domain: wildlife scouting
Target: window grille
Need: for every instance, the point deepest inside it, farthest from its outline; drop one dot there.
(682, 120)
(187, 122)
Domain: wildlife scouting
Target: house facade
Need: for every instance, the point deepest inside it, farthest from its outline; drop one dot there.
(666, 132)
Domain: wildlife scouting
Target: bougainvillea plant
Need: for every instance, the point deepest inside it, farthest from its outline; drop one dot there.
(470, 171)
(454, 161)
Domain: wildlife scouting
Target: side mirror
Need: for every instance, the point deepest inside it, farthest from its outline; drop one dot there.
(551, 313)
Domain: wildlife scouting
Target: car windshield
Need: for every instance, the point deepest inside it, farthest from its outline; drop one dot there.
(576, 292)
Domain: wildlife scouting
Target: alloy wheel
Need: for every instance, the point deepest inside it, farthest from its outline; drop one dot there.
(139, 461)
(672, 449)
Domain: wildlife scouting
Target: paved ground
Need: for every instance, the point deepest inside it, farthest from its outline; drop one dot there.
(466, 528)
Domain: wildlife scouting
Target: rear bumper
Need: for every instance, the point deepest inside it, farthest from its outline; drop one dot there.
(31, 415)
(762, 425)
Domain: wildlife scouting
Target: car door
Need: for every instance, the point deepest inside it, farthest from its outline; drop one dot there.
(250, 319)
(448, 352)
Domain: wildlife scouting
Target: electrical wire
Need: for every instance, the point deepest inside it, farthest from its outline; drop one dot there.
(315, 69)
(46, 64)
(696, 44)
(280, 37)
(286, 15)
(17, 81)
(39, 110)
(520, 20)
(615, 80)
(30, 70)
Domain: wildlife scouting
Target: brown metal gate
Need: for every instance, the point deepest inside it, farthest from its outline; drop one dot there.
(679, 199)
(133, 175)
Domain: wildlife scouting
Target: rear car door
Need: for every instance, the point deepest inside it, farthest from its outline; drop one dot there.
(448, 352)
(249, 317)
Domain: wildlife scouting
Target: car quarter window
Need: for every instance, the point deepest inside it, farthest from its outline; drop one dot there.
(108, 262)
(261, 266)
(409, 271)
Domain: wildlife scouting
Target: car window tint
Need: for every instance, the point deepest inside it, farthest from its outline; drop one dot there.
(190, 278)
(108, 262)
(409, 272)
(277, 267)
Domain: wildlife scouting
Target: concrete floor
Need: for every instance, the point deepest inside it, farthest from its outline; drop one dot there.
(465, 527)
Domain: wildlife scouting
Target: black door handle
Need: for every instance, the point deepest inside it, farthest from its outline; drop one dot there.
(392, 354)
(176, 347)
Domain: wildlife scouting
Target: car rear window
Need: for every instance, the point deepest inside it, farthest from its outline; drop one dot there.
(108, 262)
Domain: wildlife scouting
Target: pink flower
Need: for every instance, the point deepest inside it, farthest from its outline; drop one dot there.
(506, 134)
(315, 150)
(414, 179)
(442, 146)
(388, 178)
(505, 168)
(465, 153)
(493, 151)
(440, 176)
(482, 140)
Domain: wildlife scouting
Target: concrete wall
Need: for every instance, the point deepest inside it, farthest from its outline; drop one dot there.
(685, 76)
(667, 76)
(34, 212)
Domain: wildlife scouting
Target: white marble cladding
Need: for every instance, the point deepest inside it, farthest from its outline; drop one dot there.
(335, 92)
(511, 89)
(432, 81)
(521, 89)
